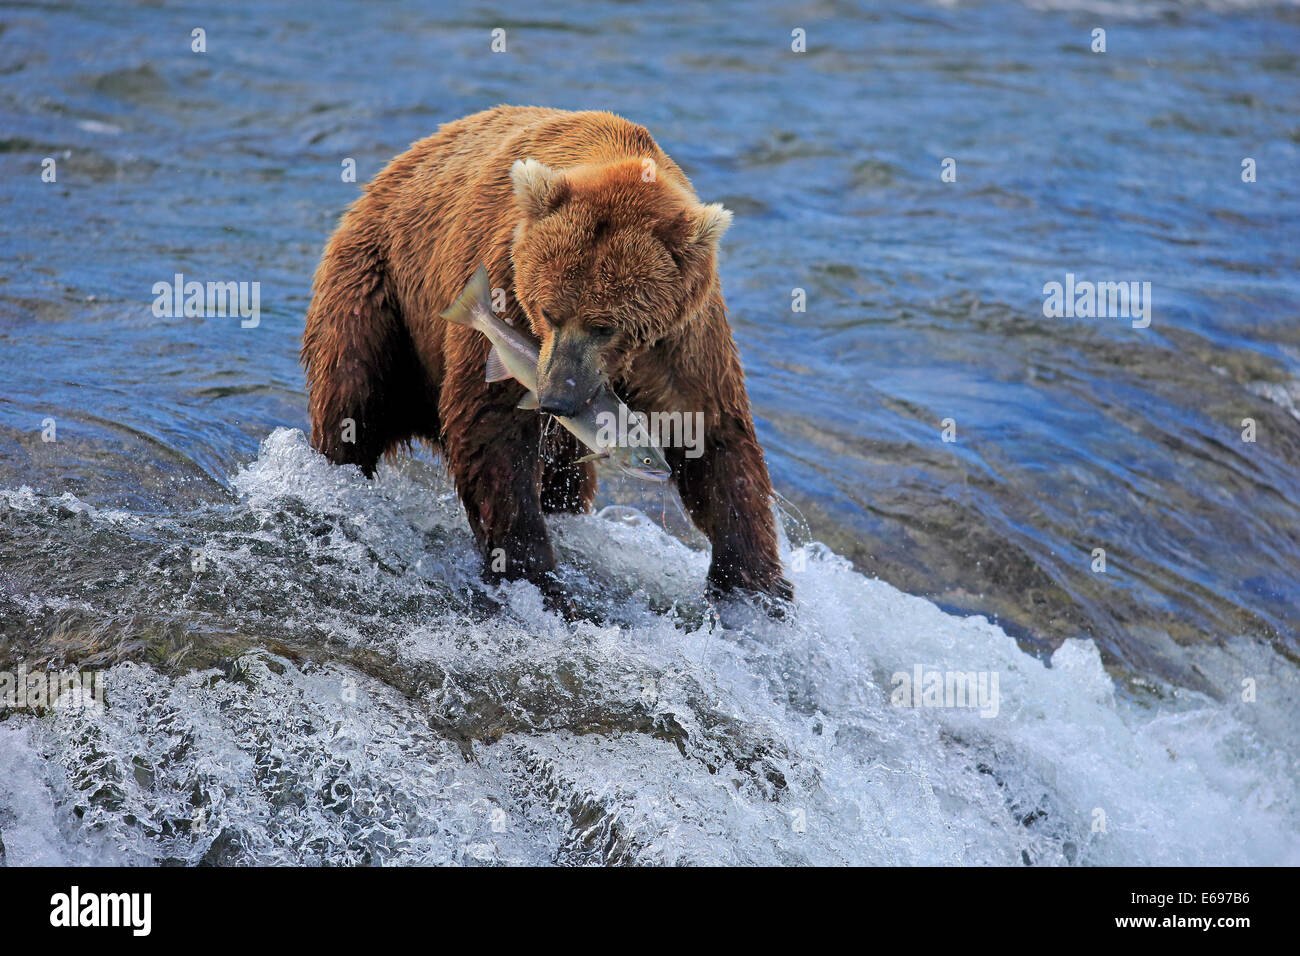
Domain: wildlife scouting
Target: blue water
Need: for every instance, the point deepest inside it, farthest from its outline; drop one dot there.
(924, 303)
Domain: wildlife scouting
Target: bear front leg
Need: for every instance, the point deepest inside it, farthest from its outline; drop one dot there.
(492, 452)
(728, 494)
(498, 476)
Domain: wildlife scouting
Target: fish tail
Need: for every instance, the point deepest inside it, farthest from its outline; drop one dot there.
(477, 293)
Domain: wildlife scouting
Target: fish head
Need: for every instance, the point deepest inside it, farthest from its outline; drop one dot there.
(641, 461)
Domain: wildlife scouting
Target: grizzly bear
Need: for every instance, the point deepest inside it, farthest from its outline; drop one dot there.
(592, 236)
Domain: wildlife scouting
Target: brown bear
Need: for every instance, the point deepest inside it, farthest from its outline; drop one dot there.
(593, 237)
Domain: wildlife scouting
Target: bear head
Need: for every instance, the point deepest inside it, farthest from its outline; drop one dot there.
(608, 259)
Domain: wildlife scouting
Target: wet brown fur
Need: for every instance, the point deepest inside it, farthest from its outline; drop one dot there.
(597, 244)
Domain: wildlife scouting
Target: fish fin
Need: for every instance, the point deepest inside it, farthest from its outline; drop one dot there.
(594, 456)
(478, 291)
(528, 402)
(496, 369)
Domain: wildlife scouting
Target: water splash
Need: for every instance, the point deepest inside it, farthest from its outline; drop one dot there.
(378, 711)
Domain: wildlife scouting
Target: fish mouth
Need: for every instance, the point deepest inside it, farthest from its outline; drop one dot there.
(649, 474)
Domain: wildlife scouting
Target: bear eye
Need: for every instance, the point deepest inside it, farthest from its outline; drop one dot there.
(603, 331)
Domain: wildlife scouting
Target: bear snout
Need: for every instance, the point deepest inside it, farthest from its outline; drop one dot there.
(570, 372)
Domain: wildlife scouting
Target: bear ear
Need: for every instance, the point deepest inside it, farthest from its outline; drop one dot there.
(538, 187)
(711, 222)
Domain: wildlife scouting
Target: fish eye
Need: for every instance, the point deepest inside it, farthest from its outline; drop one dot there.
(645, 461)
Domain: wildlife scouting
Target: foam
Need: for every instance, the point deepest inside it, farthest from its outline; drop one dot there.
(667, 735)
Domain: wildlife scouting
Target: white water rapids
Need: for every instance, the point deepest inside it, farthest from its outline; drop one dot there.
(664, 737)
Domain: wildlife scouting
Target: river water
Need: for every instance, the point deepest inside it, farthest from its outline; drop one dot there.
(302, 666)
